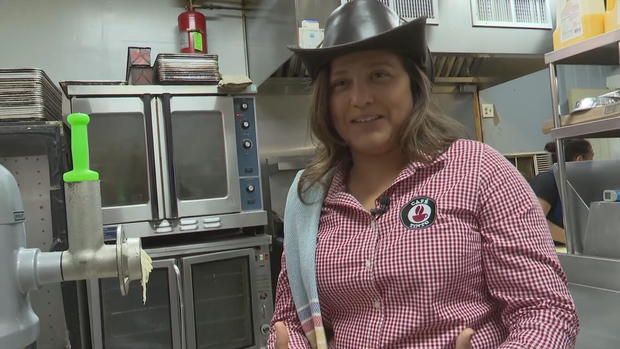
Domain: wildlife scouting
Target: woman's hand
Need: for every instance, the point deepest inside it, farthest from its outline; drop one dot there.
(463, 341)
(282, 335)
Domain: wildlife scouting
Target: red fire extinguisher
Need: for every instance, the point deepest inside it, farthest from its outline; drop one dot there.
(192, 32)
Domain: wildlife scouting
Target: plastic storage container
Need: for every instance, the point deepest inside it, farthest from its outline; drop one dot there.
(611, 16)
(578, 20)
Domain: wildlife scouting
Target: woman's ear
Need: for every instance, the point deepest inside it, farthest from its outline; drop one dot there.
(579, 158)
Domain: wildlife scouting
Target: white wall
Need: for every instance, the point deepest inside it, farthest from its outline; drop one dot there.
(521, 107)
(88, 39)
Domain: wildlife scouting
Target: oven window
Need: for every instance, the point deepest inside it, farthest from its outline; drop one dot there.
(199, 155)
(118, 152)
(222, 304)
(127, 323)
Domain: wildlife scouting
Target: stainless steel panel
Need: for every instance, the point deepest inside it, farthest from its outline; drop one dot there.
(139, 90)
(164, 165)
(591, 271)
(185, 107)
(94, 313)
(317, 9)
(585, 182)
(141, 332)
(272, 25)
(603, 237)
(460, 107)
(118, 151)
(599, 315)
(159, 181)
(227, 221)
(215, 246)
(209, 330)
(269, 26)
(595, 288)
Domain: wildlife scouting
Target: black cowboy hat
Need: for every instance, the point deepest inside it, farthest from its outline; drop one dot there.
(367, 25)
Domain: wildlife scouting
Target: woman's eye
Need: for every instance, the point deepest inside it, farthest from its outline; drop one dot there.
(380, 75)
(339, 84)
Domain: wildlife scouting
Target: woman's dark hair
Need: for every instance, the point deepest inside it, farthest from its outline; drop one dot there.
(572, 149)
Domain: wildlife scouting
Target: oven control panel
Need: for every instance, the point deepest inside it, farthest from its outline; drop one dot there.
(247, 153)
(263, 290)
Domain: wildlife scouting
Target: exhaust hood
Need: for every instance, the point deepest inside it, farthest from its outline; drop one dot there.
(462, 53)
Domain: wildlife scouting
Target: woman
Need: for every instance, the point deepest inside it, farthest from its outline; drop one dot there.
(546, 189)
(400, 234)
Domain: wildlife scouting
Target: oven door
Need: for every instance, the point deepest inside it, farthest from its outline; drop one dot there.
(199, 155)
(220, 298)
(124, 322)
(121, 139)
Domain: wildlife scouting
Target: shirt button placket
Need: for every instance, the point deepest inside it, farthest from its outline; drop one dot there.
(377, 304)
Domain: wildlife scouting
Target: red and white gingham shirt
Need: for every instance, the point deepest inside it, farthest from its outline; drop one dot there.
(487, 262)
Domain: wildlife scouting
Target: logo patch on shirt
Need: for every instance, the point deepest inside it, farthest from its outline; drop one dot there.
(418, 213)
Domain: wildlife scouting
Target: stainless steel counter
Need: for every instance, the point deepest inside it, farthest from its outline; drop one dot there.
(594, 284)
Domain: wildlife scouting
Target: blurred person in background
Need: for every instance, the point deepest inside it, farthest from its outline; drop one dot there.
(546, 189)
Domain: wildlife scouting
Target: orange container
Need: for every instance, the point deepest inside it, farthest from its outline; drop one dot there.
(578, 20)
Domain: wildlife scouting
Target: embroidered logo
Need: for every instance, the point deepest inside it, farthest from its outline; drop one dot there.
(418, 213)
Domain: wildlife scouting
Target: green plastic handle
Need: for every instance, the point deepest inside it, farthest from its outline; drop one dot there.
(79, 150)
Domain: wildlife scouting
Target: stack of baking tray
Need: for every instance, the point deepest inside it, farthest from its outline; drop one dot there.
(28, 94)
(182, 68)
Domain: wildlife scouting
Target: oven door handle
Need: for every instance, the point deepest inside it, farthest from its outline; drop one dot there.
(165, 101)
(150, 152)
(177, 274)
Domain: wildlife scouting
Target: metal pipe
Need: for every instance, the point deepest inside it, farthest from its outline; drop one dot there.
(35, 268)
(219, 7)
(84, 219)
(572, 243)
(244, 26)
(100, 263)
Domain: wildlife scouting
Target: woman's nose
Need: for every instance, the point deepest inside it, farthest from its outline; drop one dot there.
(361, 95)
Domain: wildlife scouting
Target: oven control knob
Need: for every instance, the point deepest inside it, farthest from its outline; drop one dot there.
(245, 124)
(250, 188)
(244, 106)
(264, 329)
(247, 144)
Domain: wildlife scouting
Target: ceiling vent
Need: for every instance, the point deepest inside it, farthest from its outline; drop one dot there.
(511, 13)
(411, 9)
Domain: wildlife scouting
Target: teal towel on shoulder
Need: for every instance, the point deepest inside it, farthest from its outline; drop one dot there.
(301, 224)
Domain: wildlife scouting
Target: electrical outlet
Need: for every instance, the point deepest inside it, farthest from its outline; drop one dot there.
(488, 110)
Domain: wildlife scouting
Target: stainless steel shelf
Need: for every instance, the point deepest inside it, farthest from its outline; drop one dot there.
(237, 3)
(593, 129)
(600, 50)
(138, 90)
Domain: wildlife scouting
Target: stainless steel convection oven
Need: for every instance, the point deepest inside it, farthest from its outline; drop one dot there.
(173, 159)
(210, 295)
(179, 168)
